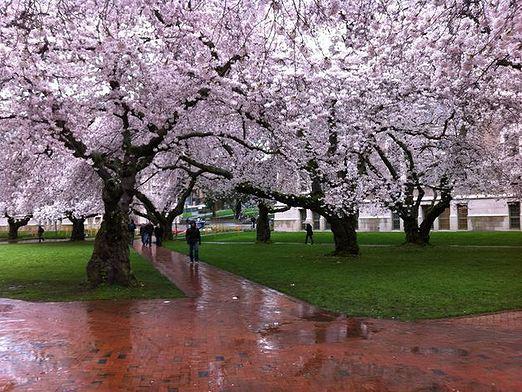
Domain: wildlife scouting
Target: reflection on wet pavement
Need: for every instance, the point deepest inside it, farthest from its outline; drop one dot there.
(234, 335)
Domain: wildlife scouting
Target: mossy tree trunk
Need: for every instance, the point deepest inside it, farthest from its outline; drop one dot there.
(15, 224)
(263, 224)
(345, 234)
(110, 261)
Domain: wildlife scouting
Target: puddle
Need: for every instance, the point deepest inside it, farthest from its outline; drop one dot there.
(320, 317)
(440, 350)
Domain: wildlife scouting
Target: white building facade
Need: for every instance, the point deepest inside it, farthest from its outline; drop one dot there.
(472, 213)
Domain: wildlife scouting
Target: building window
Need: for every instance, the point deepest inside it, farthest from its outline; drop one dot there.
(444, 220)
(327, 225)
(316, 218)
(396, 221)
(302, 217)
(514, 215)
(462, 216)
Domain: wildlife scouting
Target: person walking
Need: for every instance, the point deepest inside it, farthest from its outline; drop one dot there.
(309, 234)
(158, 233)
(149, 228)
(132, 228)
(193, 237)
(253, 221)
(41, 232)
(143, 234)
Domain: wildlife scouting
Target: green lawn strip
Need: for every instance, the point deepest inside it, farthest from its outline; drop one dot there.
(56, 272)
(400, 282)
(465, 238)
(23, 235)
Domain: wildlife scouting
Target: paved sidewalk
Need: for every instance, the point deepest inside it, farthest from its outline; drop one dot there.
(233, 335)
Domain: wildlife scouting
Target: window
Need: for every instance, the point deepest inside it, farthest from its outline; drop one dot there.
(396, 221)
(462, 216)
(327, 225)
(316, 220)
(302, 217)
(444, 220)
(514, 215)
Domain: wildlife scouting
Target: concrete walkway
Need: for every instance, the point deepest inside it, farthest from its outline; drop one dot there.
(234, 335)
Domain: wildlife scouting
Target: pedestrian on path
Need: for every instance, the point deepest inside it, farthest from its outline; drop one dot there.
(143, 234)
(132, 228)
(149, 229)
(193, 237)
(158, 233)
(253, 221)
(41, 232)
(309, 234)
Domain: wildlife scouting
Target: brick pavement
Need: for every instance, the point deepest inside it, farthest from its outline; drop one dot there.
(233, 335)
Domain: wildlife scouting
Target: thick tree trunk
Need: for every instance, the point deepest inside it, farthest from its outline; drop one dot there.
(78, 229)
(13, 231)
(14, 225)
(412, 230)
(166, 225)
(237, 209)
(110, 261)
(420, 234)
(263, 224)
(345, 236)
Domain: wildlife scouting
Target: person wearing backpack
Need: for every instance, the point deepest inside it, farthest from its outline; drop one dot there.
(193, 237)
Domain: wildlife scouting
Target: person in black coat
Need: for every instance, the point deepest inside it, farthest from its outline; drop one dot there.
(309, 234)
(41, 232)
(149, 229)
(193, 237)
(131, 227)
(158, 233)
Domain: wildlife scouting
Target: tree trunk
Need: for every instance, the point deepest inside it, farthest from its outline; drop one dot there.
(345, 236)
(110, 261)
(166, 225)
(420, 234)
(412, 231)
(13, 231)
(78, 229)
(237, 209)
(263, 224)
(14, 225)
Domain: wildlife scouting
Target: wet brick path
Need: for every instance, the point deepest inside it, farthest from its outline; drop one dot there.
(234, 335)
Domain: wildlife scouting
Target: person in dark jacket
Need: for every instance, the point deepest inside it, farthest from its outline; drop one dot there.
(193, 237)
(158, 233)
(149, 229)
(132, 228)
(41, 232)
(143, 234)
(309, 234)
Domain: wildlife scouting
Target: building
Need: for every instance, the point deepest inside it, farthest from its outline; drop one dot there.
(472, 213)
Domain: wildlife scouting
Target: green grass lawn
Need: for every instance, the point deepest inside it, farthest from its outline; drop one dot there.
(23, 234)
(56, 272)
(395, 281)
(471, 238)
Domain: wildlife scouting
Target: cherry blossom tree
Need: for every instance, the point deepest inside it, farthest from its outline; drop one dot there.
(73, 192)
(115, 82)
